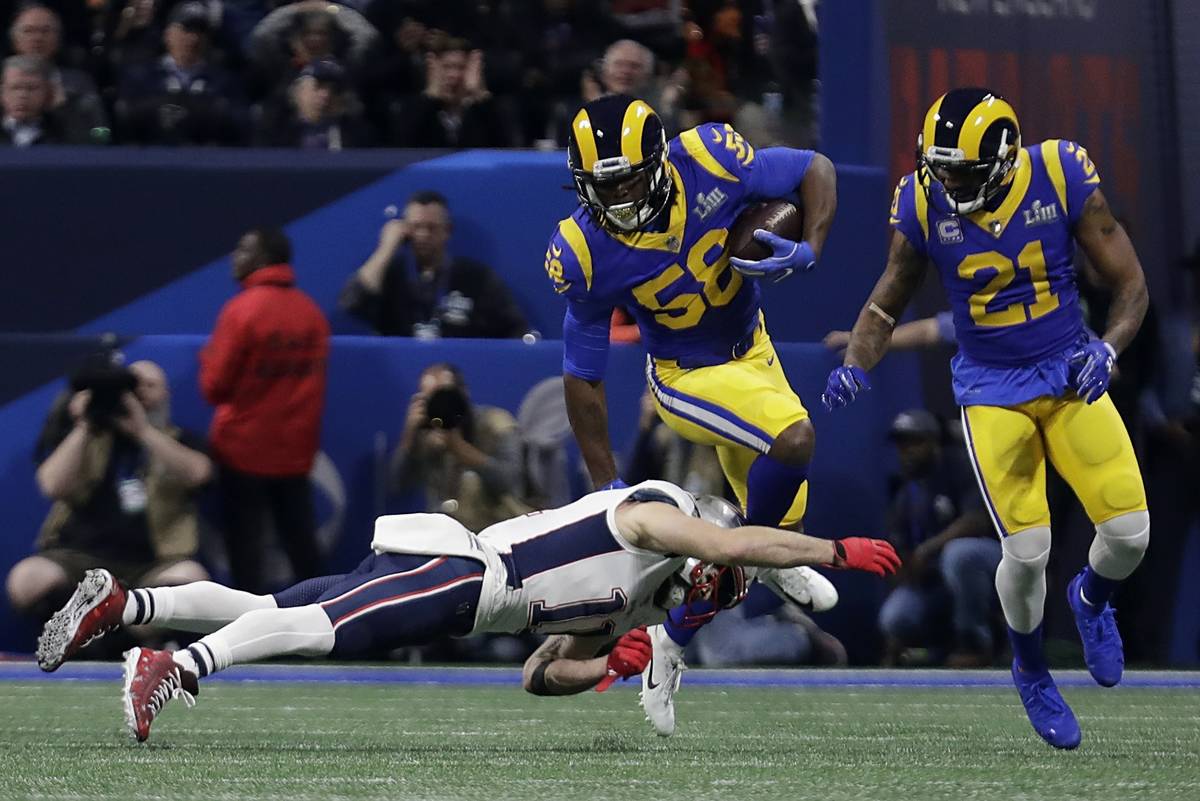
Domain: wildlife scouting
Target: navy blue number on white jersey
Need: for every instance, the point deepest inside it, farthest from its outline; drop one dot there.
(560, 548)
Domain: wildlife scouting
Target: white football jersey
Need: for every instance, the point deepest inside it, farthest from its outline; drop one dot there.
(569, 571)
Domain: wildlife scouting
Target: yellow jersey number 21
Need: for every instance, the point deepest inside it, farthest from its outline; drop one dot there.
(1032, 260)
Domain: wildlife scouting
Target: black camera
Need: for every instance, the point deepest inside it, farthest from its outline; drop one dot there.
(448, 408)
(108, 379)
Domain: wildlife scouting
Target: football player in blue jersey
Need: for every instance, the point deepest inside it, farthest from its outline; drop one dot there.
(649, 235)
(1000, 222)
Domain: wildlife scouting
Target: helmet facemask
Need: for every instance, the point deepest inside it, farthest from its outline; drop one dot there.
(976, 182)
(710, 588)
(721, 586)
(625, 197)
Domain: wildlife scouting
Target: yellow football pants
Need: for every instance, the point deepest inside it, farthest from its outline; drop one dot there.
(1088, 446)
(738, 407)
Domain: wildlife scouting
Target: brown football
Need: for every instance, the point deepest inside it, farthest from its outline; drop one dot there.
(781, 217)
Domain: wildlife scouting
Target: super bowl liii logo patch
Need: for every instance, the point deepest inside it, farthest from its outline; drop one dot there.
(949, 232)
(1037, 214)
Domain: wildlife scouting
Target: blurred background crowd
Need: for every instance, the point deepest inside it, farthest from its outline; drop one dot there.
(328, 75)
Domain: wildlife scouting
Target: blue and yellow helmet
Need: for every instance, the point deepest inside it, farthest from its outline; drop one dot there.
(617, 152)
(970, 140)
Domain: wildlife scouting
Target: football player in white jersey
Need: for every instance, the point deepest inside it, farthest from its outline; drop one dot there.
(594, 569)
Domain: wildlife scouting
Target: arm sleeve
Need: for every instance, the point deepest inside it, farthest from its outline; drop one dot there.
(776, 172)
(585, 340)
(904, 214)
(945, 326)
(1081, 177)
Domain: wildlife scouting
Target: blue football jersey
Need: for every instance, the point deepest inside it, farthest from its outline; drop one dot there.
(675, 279)
(1009, 274)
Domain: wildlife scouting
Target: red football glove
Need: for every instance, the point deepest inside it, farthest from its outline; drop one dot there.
(629, 657)
(864, 553)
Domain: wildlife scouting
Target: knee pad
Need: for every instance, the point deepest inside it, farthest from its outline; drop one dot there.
(1120, 544)
(1030, 549)
(1021, 577)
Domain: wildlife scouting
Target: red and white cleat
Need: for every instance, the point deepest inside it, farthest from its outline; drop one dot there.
(94, 610)
(152, 678)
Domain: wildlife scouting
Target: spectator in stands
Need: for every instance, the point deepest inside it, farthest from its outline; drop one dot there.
(183, 98)
(456, 110)
(26, 96)
(465, 458)
(561, 40)
(627, 68)
(37, 31)
(399, 68)
(121, 478)
(411, 285)
(264, 371)
(75, 23)
(319, 113)
(295, 35)
(939, 526)
(714, 41)
(121, 34)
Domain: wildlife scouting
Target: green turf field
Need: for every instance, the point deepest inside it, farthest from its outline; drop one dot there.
(65, 740)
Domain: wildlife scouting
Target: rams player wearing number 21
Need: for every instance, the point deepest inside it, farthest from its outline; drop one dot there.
(650, 236)
(1000, 222)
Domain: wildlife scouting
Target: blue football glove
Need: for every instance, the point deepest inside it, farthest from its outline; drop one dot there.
(843, 385)
(786, 257)
(1094, 363)
(616, 483)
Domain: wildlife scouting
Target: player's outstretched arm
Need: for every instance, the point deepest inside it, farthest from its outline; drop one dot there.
(1109, 249)
(872, 332)
(564, 665)
(665, 529)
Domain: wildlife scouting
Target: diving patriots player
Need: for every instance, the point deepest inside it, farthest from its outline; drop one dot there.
(1000, 222)
(649, 235)
(587, 573)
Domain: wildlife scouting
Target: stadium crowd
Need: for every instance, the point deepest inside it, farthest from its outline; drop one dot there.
(328, 75)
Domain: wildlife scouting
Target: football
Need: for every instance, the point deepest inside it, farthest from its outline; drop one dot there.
(781, 217)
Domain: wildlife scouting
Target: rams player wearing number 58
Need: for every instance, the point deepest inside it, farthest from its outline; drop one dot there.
(650, 235)
(1000, 223)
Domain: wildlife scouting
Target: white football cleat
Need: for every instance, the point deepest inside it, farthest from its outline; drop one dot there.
(660, 680)
(802, 586)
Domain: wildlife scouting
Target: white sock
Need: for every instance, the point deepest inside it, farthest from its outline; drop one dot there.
(186, 661)
(200, 606)
(1021, 578)
(263, 633)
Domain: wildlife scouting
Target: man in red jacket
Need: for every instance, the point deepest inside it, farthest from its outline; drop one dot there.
(264, 371)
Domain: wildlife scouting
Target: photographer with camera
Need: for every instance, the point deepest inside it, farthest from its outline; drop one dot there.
(122, 479)
(412, 287)
(466, 458)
